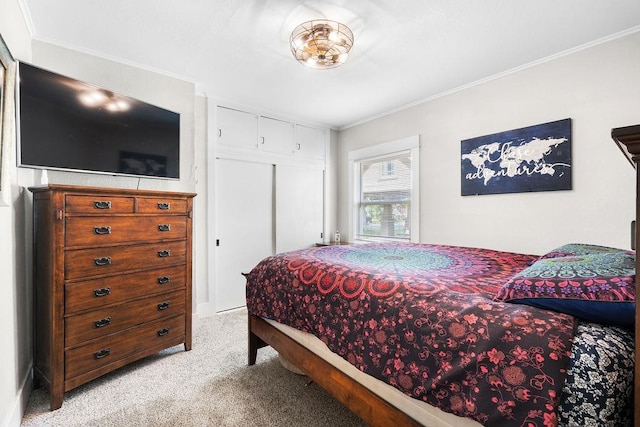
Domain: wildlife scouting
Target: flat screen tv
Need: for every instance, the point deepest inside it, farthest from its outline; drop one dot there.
(66, 124)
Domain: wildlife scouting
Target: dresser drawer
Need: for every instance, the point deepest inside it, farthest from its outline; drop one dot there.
(99, 204)
(161, 205)
(104, 230)
(85, 263)
(99, 323)
(90, 294)
(161, 333)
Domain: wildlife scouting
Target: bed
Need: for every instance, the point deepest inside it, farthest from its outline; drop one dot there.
(417, 334)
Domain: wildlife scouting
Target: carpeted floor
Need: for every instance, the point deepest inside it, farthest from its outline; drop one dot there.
(211, 385)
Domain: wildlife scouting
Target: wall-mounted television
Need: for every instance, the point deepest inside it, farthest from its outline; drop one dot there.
(66, 124)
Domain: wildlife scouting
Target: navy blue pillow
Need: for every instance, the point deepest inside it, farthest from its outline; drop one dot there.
(593, 283)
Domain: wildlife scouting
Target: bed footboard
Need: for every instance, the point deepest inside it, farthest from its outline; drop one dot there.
(360, 400)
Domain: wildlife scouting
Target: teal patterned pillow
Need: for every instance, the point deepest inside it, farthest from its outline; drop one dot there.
(571, 249)
(594, 283)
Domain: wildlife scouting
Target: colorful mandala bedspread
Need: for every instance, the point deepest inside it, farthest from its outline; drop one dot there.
(422, 318)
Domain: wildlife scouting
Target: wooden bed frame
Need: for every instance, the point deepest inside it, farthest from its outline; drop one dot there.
(366, 404)
(628, 139)
(360, 400)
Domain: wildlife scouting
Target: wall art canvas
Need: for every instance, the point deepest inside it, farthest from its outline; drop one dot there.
(534, 158)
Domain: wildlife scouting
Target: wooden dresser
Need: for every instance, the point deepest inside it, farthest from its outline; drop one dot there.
(112, 274)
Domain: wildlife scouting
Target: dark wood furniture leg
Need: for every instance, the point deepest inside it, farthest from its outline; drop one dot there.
(255, 343)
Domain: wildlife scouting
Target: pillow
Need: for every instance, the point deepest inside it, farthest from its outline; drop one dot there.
(593, 283)
(582, 249)
(598, 390)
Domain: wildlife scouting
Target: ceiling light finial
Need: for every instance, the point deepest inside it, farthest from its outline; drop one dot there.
(321, 43)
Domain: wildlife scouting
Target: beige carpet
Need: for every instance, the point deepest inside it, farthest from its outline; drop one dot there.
(211, 385)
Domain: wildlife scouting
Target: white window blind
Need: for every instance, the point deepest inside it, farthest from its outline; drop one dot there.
(384, 202)
(384, 189)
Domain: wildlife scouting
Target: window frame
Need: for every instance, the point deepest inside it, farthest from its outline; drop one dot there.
(411, 144)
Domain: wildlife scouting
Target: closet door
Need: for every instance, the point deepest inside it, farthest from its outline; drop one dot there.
(276, 136)
(244, 209)
(309, 142)
(237, 128)
(299, 207)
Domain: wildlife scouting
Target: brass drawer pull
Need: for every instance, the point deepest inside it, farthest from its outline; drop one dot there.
(100, 262)
(102, 204)
(102, 292)
(164, 206)
(162, 332)
(102, 230)
(102, 322)
(164, 254)
(164, 280)
(102, 353)
(163, 305)
(164, 227)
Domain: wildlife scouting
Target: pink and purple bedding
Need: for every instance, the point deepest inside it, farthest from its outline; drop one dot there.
(422, 318)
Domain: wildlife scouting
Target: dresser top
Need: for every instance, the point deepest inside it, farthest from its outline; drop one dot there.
(79, 189)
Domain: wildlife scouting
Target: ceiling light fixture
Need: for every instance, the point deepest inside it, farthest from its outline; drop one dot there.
(321, 44)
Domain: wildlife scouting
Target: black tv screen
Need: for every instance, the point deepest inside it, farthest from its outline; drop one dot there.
(67, 124)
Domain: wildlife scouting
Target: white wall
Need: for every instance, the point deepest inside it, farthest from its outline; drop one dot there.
(598, 88)
(201, 296)
(165, 91)
(331, 193)
(169, 92)
(148, 86)
(15, 294)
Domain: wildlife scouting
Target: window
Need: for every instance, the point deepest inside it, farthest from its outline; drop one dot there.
(385, 191)
(388, 168)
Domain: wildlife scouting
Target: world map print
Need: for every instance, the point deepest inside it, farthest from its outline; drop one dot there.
(536, 158)
(526, 159)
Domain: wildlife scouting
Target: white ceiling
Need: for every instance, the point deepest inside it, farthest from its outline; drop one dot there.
(405, 51)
